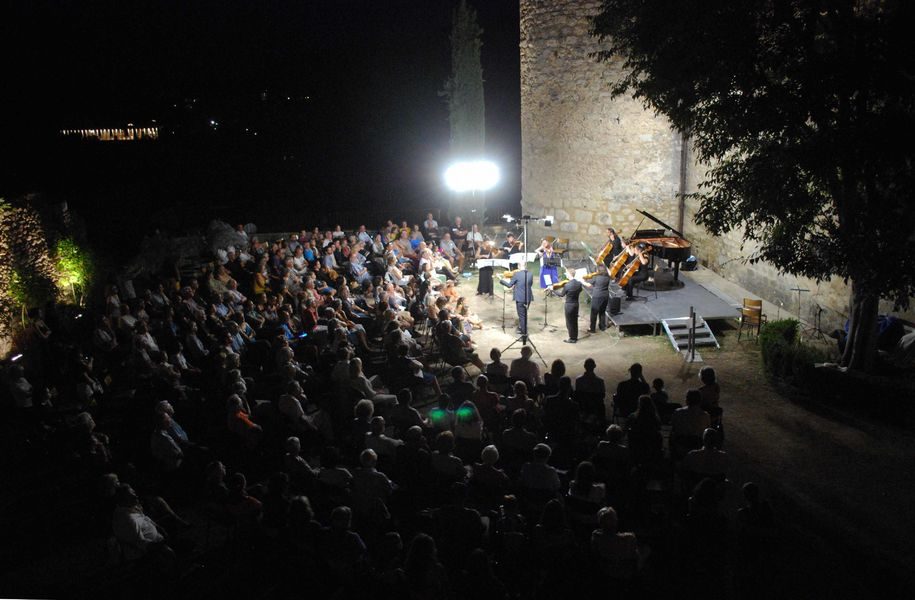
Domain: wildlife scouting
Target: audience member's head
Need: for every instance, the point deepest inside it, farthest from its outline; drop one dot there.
(615, 434)
(519, 418)
(554, 516)
(542, 453)
(607, 520)
(444, 442)
(368, 459)
(490, 455)
(711, 439)
(707, 375)
(293, 446)
(413, 435)
(341, 518)
(364, 409)
(750, 493)
(483, 382)
(404, 396)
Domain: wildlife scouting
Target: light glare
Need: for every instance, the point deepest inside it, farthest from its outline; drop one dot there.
(476, 175)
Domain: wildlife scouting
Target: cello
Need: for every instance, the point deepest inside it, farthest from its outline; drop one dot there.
(633, 267)
(617, 264)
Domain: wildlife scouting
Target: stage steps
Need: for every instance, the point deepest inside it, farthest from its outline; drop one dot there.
(677, 330)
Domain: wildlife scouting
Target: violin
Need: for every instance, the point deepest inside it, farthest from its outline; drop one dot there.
(515, 247)
(509, 274)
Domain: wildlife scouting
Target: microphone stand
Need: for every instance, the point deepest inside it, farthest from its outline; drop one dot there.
(523, 338)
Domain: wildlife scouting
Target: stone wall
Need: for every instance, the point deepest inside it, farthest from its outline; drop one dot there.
(587, 159)
(591, 160)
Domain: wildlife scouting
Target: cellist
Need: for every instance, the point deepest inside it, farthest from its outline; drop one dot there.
(637, 268)
(612, 248)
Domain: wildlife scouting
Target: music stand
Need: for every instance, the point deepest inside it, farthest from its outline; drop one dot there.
(799, 291)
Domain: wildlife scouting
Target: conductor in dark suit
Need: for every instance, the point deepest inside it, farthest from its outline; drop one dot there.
(521, 283)
(600, 297)
(571, 291)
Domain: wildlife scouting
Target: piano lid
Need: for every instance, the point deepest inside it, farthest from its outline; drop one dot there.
(660, 222)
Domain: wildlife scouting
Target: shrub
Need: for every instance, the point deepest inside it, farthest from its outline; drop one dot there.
(784, 356)
(774, 338)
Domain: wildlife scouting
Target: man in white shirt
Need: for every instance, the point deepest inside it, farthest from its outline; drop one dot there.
(290, 406)
(459, 233)
(363, 235)
(708, 461)
(359, 273)
(691, 420)
(452, 252)
(475, 237)
(369, 484)
(537, 474)
(163, 446)
(383, 445)
(137, 534)
(430, 225)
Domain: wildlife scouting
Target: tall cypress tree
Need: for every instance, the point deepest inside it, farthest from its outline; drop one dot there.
(464, 89)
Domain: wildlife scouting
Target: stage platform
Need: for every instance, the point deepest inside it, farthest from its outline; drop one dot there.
(708, 302)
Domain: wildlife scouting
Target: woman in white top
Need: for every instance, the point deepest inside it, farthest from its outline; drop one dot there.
(394, 274)
(362, 384)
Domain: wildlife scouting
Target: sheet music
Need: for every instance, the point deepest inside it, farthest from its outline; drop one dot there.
(547, 279)
(493, 262)
(521, 257)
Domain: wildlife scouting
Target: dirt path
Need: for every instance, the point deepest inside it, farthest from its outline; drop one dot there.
(836, 482)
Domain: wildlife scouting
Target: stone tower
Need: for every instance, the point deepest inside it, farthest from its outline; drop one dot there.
(587, 159)
(591, 160)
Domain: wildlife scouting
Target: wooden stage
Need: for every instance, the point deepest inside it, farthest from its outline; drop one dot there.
(708, 303)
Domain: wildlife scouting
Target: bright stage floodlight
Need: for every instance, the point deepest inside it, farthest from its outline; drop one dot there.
(472, 176)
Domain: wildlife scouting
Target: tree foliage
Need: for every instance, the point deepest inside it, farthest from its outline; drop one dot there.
(463, 90)
(75, 268)
(803, 112)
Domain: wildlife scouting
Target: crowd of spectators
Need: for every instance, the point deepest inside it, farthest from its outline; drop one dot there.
(308, 401)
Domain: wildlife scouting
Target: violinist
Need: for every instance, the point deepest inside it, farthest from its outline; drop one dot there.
(571, 291)
(639, 253)
(549, 271)
(486, 250)
(511, 246)
(600, 298)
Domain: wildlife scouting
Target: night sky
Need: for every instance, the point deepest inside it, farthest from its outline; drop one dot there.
(364, 122)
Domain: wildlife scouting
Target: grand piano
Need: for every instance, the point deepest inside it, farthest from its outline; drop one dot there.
(666, 243)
